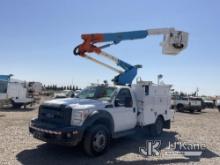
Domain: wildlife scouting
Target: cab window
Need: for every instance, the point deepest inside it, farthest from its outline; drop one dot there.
(3, 86)
(146, 90)
(124, 98)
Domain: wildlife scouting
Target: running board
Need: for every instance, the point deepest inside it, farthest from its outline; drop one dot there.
(124, 133)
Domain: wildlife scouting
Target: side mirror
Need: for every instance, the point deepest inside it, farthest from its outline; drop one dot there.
(72, 95)
(117, 102)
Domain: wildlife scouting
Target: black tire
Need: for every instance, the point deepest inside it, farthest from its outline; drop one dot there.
(180, 107)
(16, 105)
(157, 128)
(199, 110)
(96, 141)
(191, 111)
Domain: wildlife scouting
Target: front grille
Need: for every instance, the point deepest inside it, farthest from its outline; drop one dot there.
(58, 115)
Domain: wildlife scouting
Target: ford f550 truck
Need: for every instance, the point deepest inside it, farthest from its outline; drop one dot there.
(102, 112)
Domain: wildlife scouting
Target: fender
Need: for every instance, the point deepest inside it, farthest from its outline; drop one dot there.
(99, 116)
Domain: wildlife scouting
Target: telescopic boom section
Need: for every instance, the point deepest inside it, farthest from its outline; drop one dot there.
(90, 39)
(88, 46)
(173, 43)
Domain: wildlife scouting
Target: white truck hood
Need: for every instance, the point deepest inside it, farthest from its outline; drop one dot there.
(79, 104)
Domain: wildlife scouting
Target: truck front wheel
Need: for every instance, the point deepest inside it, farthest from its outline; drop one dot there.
(157, 128)
(96, 140)
(199, 110)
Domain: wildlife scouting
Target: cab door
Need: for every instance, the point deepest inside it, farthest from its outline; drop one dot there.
(124, 112)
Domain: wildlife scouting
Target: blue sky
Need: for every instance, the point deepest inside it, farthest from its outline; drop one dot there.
(37, 38)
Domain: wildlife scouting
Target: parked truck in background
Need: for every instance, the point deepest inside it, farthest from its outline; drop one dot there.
(64, 94)
(187, 103)
(208, 103)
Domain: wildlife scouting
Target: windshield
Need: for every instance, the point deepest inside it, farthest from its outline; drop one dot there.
(97, 92)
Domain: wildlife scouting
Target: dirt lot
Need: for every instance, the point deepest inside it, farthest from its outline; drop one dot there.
(18, 147)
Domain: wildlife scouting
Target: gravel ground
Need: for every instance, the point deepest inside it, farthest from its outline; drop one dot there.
(18, 147)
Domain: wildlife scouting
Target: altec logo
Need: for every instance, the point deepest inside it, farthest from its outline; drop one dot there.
(152, 148)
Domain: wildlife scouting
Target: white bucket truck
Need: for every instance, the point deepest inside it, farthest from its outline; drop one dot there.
(102, 112)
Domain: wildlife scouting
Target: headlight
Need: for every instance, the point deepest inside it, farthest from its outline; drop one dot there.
(79, 116)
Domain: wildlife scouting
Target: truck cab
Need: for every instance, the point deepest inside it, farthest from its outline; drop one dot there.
(102, 112)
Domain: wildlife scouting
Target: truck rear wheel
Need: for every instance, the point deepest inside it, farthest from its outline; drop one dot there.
(191, 111)
(16, 105)
(157, 128)
(180, 107)
(96, 140)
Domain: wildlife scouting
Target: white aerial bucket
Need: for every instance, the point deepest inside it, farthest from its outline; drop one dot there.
(174, 42)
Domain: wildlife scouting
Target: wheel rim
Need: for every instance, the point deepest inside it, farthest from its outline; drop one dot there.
(99, 141)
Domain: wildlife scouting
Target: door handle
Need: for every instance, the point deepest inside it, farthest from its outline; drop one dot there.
(134, 110)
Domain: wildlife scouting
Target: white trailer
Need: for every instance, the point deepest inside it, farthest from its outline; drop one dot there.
(15, 91)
